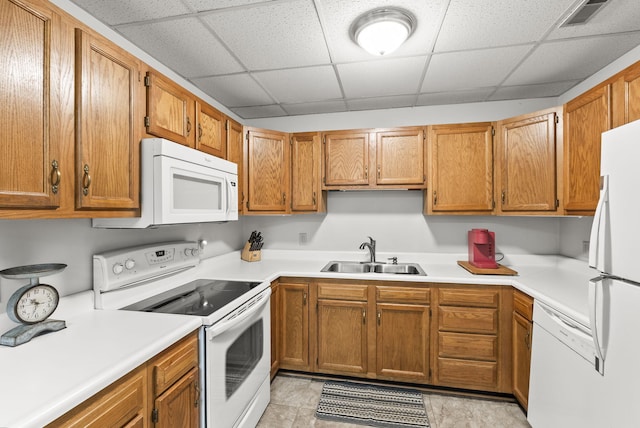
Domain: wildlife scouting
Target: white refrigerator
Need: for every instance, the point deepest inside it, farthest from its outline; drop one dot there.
(590, 376)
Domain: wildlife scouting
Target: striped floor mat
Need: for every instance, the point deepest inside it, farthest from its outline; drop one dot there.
(372, 405)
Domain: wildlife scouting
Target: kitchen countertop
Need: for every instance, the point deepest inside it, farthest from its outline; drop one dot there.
(53, 373)
(43, 379)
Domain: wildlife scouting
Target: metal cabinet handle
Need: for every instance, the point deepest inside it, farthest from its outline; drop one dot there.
(55, 176)
(379, 317)
(304, 299)
(199, 132)
(527, 340)
(366, 172)
(378, 171)
(284, 198)
(196, 402)
(313, 199)
(364, 316)
(435, 198)
(504, 195)
(188, 126)
(86, 180)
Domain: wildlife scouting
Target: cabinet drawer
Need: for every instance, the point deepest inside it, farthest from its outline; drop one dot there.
(468, 346)
(467, 373)
(469, 297)
(523, 304)
(120, 405)
(468, 320)
(402, 294)
(342, 292)
(174, 363)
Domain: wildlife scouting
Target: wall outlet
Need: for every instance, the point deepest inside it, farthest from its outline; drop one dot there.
(302, 238)
(585, 246)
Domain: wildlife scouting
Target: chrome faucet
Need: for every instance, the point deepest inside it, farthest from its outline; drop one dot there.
(372, 249)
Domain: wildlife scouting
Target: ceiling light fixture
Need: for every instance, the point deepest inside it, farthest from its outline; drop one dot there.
(382, 31)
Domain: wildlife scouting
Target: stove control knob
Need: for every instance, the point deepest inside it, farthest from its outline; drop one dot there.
(187, 252)
(195, 252)
(130, 264)
(118, 268)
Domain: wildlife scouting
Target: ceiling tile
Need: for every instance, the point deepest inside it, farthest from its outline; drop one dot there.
(259, 111)
(338, 15)
(283, 35)
(115, 12)
(298, 85)
(572, 59)
(615, 17)
(315, 108)
(492, 23)
(236, 90)
(381, 102)
(474, 69)
(183, 54)
(454, 97)
(203, 5)
(532, 91)
(399, 76)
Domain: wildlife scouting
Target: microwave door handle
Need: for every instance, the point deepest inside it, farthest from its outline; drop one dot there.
(229, 190)
(598, 229)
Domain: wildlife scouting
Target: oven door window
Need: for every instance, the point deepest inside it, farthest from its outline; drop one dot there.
(243, 356)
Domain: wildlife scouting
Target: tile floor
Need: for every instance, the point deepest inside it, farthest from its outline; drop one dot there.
(294, 400)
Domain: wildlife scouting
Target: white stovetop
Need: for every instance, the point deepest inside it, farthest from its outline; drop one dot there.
(50, 375)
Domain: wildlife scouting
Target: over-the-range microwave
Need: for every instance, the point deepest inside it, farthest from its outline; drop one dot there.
(180, 185)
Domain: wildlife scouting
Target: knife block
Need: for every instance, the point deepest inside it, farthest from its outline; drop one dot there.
(250, 256)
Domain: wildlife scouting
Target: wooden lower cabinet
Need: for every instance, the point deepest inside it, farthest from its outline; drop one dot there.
(450, 335)
(163, 392)
(522, 339)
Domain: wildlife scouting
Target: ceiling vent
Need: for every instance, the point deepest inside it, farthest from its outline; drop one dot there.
(584, 12)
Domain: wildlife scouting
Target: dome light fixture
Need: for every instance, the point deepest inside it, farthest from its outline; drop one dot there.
(382, 31)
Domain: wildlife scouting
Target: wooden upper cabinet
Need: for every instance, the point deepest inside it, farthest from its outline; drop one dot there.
(210, 130)
(268, 164)
(235, 144)
(170, 110)
(585, 119)
(107, 138)
(626, 96)
(346, 158)
(400, 156)
(460, 169)
(30, 140)
(526, 163)
(305, 172)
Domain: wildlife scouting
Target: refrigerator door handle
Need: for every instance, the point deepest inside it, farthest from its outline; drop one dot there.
(598, 228)
(594, 284)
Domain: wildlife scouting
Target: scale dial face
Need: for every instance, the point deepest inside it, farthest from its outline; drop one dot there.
(32, 304)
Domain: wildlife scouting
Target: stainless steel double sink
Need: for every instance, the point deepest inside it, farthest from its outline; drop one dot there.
(375, 267)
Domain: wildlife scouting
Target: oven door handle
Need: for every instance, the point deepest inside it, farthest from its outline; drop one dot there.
(232, 321)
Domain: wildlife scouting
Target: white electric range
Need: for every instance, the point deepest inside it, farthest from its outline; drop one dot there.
(235, 334)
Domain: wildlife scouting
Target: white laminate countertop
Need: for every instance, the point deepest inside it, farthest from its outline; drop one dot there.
(43, 379)
(48, 376)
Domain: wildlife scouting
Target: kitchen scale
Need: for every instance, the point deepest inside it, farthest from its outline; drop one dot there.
(32, 304)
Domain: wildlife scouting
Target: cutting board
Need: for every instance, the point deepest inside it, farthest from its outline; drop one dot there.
(501, 270)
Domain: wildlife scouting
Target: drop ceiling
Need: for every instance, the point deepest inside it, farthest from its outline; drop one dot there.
(268, 58)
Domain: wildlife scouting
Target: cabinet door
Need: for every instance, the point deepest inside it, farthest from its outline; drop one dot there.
(342, 336)
(585, 119)
(294, 325)
(305, 172)
(461, 169)
(626, 96)
(522, 329)
(402, 341)
(170, 110)
(268, 171)
(30, 146)
(275, 328)
(107, 138)
(526, 163)
(235, 154)
(210, 133)
(400, 157)
(178, 406)
(346, 158)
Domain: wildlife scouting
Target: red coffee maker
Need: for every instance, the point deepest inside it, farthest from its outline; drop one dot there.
(482, 248)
